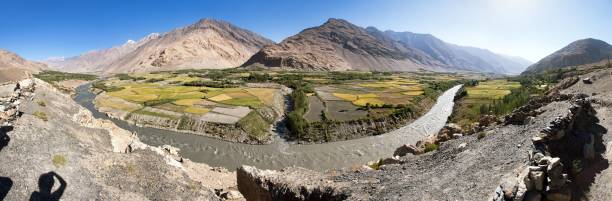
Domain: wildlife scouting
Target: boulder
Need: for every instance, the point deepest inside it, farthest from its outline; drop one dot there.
(288, 184)
(457, 135)
(388, 161)
(587, 80)
(406, 149)
(231, 195)
(26, 84)
(462, 145)
(537, 178)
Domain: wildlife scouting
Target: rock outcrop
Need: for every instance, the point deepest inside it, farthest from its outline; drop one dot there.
(290, 184)
(57, 139)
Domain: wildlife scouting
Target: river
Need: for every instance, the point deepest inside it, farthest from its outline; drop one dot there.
(215, 152)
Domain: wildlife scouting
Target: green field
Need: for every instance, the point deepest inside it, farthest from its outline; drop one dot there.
(248, 99)
(478, 98)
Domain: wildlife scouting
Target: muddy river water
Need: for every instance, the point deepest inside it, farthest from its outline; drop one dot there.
(280, 154)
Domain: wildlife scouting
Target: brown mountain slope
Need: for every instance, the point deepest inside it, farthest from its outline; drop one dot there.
(339, 45)
(97, 60)
(206, 44)
(13, 67)
(580, 52)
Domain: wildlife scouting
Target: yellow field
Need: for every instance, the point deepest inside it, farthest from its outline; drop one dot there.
(264, 94)
(348, 97)
(372, 101)
(492, 89)
(412, 93)
(197, 110)
(221, 97)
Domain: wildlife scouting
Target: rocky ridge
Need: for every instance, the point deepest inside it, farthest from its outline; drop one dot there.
(580, 52)
(93, 158)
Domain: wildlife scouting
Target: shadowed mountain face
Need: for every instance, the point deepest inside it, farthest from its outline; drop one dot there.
(340, 45)
(205, 44)
(581, 52)
(13, 67)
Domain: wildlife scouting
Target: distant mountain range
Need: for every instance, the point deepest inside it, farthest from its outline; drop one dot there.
(580, 52)
(14, 67)
(334, 46)
(340, 45)
(206, 44)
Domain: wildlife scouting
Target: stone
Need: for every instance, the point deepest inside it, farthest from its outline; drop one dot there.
(2, 108)
(553, 163)
(537, 178)
(587, 80)
(457, 135)
(508, 187)
(231, 195)
(405, 150)
(388, 161)
(26, 84)
(171, 150)
(462, 145)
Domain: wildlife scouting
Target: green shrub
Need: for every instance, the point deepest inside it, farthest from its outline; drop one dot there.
(41, 115)
(430, 147)
(481, 135)
(41, 103)
(59, 161)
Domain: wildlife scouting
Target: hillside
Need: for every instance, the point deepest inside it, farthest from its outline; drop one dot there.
(13, 67)
(207, 44)
(455, 56)
(580, 52)
(339, 45)
(98, 60)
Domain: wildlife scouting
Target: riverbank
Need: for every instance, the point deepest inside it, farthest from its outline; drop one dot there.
(279, 155)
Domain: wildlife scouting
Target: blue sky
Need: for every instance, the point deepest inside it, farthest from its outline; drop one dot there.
(528, 28)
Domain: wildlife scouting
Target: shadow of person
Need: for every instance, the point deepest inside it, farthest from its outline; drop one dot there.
(4, 138)
(5, 186)
(45, 185)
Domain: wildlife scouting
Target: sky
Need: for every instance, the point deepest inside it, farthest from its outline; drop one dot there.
(532, 29)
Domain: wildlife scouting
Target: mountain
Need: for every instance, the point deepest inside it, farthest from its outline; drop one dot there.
(455, 56)
(580, 52)
(13, 67)
(339, 45)
(97, 60)
(208, 43)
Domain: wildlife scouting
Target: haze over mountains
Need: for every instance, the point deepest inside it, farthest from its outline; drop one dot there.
(334, 46)
(580, 52)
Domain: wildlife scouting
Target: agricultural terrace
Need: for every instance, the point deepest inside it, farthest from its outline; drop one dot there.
(174, 96)
(486, 97)
(360, 99)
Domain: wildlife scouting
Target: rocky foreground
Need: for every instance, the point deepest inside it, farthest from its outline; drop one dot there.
(554, 148)
(51, 148)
